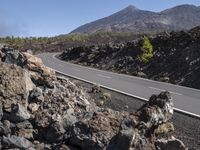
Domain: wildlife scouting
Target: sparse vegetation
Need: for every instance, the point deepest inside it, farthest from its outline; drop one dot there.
(96, 89)
(58, 43)
(71, 37)
(106, 96)
(165, 128)
(147, 50)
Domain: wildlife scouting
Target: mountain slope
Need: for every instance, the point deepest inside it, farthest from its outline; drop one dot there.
(184, 16)
(136, 20)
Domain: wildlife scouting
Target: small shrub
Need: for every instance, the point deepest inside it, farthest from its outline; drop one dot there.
(147, 50)
(106, 96)
(96, 89)
(164, 128)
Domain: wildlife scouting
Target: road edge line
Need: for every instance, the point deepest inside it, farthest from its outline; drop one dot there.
(131, 95)
(126, 75)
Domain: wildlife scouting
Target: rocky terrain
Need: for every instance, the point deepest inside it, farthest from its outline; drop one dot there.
(175, 57)
(39, 110)
(136, 20)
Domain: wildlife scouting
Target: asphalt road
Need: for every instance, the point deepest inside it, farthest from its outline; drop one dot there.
(185, 99)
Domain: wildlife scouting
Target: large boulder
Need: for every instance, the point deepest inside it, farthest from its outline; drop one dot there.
(114, 130)
(5, 128)
(170, 144)
(15, 86)
(158, 110)
(97, 131)
(11, 56)
(35, 63)
(18, 113)
(16, 142)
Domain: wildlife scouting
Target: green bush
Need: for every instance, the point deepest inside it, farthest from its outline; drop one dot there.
(147, 50)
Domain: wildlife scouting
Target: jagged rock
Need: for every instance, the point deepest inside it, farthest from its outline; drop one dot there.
(159, 110)
(141, 74)
(127, 134)
(55, 113)
(37, 71)
(131, 136)
(1, 55)
(5, 128)
(29, 84)
(38, 145)
(36, 94)
(1, 110)
(68, 121)
(124, 139)
(54, 132)
(16, 142)
(36, 63)
(26, 133)
(12, 56)
(33, 107)
(24, 125)
(40, 98)
(171, 144)
(132, 140)
(15, 85)
(95, 133)
(18, 113)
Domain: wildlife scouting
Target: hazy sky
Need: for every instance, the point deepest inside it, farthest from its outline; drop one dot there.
(54, 17)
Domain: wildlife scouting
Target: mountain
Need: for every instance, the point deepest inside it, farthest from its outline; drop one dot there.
(136, 20)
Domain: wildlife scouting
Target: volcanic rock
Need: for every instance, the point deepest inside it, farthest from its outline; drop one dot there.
(38, 110)
(16, 142)
(170, 144)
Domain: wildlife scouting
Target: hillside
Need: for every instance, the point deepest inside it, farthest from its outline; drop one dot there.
(176, 57)
(136, 20)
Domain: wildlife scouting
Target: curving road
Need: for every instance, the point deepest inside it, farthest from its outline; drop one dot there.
(186, 100)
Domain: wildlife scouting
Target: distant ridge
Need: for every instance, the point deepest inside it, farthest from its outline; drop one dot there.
(133, 19)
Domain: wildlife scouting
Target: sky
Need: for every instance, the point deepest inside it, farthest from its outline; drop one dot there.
(27, 18)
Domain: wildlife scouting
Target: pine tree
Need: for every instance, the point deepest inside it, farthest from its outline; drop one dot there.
(147, 50)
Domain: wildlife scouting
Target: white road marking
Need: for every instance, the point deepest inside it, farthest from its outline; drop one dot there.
(132, 95)
(125, 75)
(104, 76)
(76, 69)
(164, 90)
